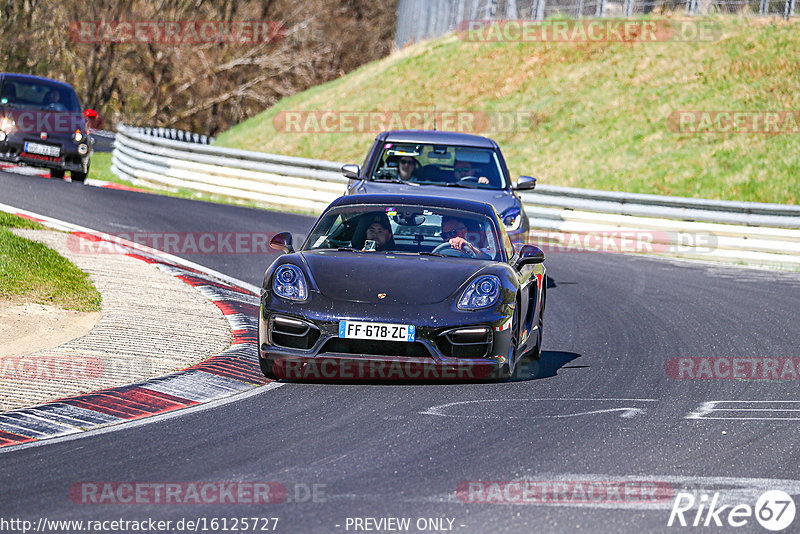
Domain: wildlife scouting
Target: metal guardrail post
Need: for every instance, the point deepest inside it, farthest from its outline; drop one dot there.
(691, 7)
(627, 8)
(579, 9)
(764, 7)
(788, 11)
(538, 9)
(601, 6)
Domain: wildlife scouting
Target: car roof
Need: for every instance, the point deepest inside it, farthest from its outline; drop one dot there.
(30, 78)
(437, 137)
(474, 206)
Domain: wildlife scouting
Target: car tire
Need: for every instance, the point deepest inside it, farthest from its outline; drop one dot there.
(78, 176)
(57, 174)
(536, 353)
(266, 368)
(507, 371)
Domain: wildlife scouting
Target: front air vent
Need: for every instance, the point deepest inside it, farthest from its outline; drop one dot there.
(292, 333)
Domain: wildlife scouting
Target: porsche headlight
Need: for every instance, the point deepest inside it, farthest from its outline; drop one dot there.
(481, 293)
(289, 282)
(512, 218)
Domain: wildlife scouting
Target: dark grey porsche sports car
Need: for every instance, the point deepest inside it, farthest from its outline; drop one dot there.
(400, 287)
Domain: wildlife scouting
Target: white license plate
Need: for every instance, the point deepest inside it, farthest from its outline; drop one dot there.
(44, 150)
(378, 331)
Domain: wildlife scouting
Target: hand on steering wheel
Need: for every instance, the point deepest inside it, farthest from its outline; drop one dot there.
(455, 247)
(473, 180)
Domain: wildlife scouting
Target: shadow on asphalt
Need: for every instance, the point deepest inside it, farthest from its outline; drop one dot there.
(545, 367)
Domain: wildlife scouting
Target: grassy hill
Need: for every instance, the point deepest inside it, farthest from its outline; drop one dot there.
(602, 110)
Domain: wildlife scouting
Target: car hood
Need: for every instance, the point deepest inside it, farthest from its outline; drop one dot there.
(403, 278)
(501, 199)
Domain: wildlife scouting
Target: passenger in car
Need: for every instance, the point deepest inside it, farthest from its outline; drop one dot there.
(379, 232)
(406, 166)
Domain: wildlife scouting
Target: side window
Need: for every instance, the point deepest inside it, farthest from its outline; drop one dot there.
(367, 158)
(507, 245)
(491, 244)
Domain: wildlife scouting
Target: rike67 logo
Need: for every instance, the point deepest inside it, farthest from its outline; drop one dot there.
(774, 510)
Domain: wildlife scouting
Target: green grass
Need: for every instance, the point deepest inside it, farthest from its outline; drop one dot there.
(101, 168)
(32, 272)
(600, 109)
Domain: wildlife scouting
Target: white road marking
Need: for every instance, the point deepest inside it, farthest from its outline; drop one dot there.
(627, 411)
(713, 407)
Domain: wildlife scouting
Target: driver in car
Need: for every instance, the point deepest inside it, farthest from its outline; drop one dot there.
(462, 169)
(454, 232)
(52, 101)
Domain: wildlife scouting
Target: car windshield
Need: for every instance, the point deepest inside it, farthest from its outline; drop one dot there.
(406, 230)
(35, 94)
(445, 165)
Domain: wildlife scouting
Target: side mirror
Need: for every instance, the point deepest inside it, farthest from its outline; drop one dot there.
(526, 183)
(530, 255)
(351, 171)
(282, 242)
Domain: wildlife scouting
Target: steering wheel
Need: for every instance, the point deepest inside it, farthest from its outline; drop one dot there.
(469, 180)
(446, 250)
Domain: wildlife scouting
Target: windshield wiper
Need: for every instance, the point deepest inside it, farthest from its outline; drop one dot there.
(425, 253)
(393, 179)
(466, 185)
(347, 249)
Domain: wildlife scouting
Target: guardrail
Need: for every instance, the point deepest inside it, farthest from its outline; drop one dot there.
(735, 232)
(282, 182)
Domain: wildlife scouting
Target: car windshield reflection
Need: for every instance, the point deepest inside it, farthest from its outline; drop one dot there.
(443, 165)
(406, 230)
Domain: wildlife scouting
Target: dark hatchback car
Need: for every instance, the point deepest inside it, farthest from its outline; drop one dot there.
(42, 124)
(400, 287)
(443, 164)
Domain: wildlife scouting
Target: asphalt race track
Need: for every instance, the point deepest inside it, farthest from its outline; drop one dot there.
(599, 408)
